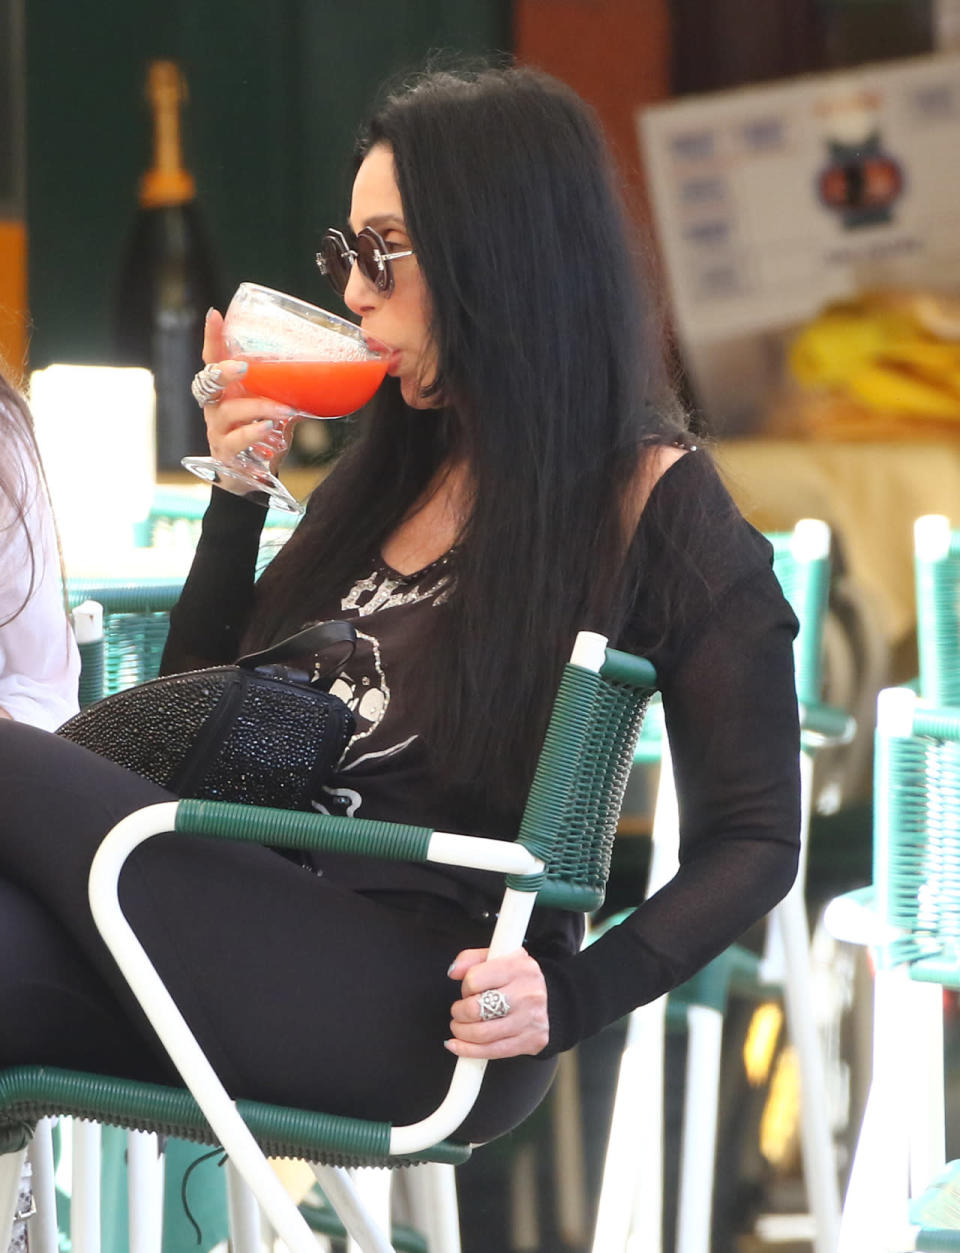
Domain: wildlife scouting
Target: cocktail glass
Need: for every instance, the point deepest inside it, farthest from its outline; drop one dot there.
(319, 364)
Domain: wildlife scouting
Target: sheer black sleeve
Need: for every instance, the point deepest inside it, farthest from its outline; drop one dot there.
(726, 666)
(209, 619)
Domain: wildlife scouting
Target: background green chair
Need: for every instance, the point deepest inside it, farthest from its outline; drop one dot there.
(561, 857)
(121, 627)
(937, 572)
(902, 914)
(128, 648)
(630, 1209)
(900, 1195)
(176, 513)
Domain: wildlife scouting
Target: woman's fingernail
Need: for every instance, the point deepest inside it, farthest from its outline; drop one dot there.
(450, 1045)
(267, 424)
(240, 368)
(451, 968)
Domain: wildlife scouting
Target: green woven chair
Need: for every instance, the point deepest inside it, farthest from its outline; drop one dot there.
(905, 916)
(121, 645)
(135, 611)
(560, 857)
(937, 572)
(631, 1198)
(175, 518)
(901, 1194)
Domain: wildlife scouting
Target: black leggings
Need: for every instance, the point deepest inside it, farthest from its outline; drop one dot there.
(301, 992)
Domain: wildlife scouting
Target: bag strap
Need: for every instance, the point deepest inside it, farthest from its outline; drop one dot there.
(337, 639)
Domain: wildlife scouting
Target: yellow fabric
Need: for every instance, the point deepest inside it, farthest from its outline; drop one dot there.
(296, 1177)
(869, 493)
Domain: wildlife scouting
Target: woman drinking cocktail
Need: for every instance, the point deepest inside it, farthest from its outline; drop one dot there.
(522, 473)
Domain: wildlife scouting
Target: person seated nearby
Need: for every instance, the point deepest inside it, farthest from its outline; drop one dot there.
(39, 663)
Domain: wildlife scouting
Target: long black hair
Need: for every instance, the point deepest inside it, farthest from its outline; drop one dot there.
(18, 456)
(553, 391)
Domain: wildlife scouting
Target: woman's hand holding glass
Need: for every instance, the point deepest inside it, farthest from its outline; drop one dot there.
(312, 363)
(238, 421)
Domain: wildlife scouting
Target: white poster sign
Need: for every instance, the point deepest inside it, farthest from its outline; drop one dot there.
(771, 201)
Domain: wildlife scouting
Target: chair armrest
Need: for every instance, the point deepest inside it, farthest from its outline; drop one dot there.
(939, 723)
(823, 724)
(626, 668)
(393, 841)
(852, 919)
(175, 1034)
(301, 829)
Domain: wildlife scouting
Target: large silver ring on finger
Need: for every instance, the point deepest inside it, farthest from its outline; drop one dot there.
(206, 386)
(493, 1004)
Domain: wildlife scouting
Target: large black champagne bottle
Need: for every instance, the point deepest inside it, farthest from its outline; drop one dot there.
(167, 280)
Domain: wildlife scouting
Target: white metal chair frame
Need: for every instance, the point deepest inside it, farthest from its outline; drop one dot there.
(199, 1076)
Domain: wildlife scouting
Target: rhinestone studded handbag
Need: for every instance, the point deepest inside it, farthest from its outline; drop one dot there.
(262, 732)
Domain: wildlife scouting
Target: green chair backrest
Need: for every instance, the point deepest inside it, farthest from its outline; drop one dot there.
(801, 562)
(916, 869)
(175, 517)
(573, 807)
(937, 572)
(136, 620)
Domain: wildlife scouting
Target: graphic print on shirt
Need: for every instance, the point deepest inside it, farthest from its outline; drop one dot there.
(379, 591)
(364, 686)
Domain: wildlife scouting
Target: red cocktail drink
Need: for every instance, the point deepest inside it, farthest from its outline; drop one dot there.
(318, 364)
(323, 389)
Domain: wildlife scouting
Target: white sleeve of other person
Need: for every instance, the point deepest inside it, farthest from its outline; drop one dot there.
(39, 664)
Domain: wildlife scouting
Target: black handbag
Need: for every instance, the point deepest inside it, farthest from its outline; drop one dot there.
(262, 732)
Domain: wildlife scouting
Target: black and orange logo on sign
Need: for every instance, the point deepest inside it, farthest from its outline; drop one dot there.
(861, 183)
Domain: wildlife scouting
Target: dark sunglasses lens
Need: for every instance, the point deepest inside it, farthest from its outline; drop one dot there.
(368, 247)
(336, 265)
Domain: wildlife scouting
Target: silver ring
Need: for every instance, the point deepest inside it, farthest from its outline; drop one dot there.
(493, 1004)
(206, 386)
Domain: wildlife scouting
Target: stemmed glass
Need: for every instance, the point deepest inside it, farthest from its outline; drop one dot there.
(321, 365)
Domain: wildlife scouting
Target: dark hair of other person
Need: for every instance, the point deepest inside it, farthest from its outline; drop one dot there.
(19, 448)
(552, 384)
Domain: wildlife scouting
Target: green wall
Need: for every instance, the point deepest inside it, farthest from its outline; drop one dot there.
(277, 88)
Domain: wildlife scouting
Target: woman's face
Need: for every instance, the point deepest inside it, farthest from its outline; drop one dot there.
(402, 319)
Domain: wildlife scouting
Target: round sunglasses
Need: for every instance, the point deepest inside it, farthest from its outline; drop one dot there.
(336, 258)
